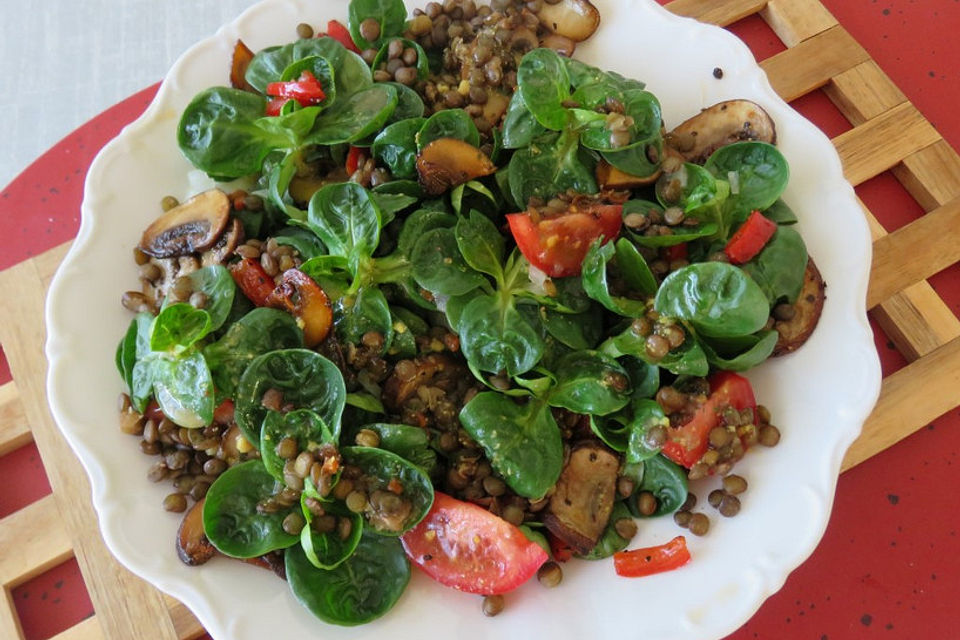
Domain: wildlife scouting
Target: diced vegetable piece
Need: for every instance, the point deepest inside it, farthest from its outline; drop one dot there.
(194, 225)
(448, 162)
(299, 295)
(722, 124)
(574, 19)
(242, 55)
(252, 280)
(808, 307)
(750, 238)
(649, 560)
(193, 547)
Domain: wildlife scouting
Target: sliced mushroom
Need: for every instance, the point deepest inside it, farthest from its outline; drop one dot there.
(808, 307)
(583, 500)
(299, 295)
(193, 547)
(448, 162)
(242, 55)
(223, 249)
(495, 106)
(169, 269)
(717, 126)
(574, 19)
(412, 374)
(272, 561)
(561, 44)
(609, 177)
(192, 226)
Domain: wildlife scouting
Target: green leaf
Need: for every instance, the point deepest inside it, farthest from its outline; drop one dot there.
(718, 299)
(231, 520)
(633, 268)
(448, 123)
(495, 337)
(481, 244)
(666, 481)
(550, 165)
(355, 117)
(439, 267)
(520, 128)
(357, 314)
(759, 348)
(522, 441)
(596, 281)
(381, 468)
(179, 327)
(647, 414)
(304, 426)
(346, 219)
(780, 266)
(590, 382)
(610, 541)
(543, 82)
(328, 550)
(184, 390)
(216, 283)
(761, 174)
(391, 15)
(396, 147)
(410, 443)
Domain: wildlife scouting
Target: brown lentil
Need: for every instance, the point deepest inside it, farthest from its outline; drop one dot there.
(169, 202)
(367, 438)
(304, 31)
(769, 436)
(550, 574)
(682, 518)
(699, 524)
(647, 503)
(370, 29)
(513, 514)
(734, 484)
(356, 501)
(175, 502)
(657, 346)
(625, 486)
(715, 497)
(729, 506)
(626, 528)
(286, 449)
(492, 605)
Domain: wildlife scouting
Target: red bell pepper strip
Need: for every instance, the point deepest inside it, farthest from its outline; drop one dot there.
(649, 560)
(341, 34)
(687, 443)
(255, 283)
(354, 157)
(676, 252)
(306, 89)
(750, 238)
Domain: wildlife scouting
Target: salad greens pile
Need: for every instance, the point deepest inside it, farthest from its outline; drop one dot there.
(396, 261)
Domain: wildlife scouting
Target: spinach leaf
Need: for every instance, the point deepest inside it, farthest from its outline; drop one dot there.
(216, 283)
(218, 133)
(642, 156)
(550, 165)
(386, 467)
(596, 281)
(702, 196)
(780, 266)
(367, 310)
(420, 222)
(350, 72)
(134, 346)
(495, 337)
(520, 128)
(306, 243)
(522, 442)
(448, 123)
(178, 327)
(410, 443)
(761, 174)
(634, 269)
(258, 332)
(666, 481)
(183, 388)
(646, 415)
(481, 244)
(396, 147)
(391, 15)
(346, 219)
(306, 379)
(477, 196)
(355, 117)
(574, 330)
(362, 588)
(409, 104)
(780, 213)
(610, 541)
(590, 382)
(687, 359)
(543, 82)
(303, 425)
(718, 299)
(231, 520)
(612, 430)
(678, 235)
(762, 346)
(439, 267)
(644, 377)
(328, 550)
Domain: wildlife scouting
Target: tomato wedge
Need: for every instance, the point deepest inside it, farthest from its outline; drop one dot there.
(252, 280)
(557, 245)
(750, 238)
(649, 560)
(466, 547)
(687, 443)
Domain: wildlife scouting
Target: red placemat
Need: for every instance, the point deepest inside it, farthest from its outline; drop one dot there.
(888, 563)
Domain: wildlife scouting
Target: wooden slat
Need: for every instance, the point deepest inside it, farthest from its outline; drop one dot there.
(718, 12)
(863, 92)
(14, 430)
(924, 239)
(87, 629)
(47, 262)
(142, 614)
(917, 321)
(796, 20)
(879, 144)
(811, 64)
(37, 534)
(185, 623)
(914, 396)
(9, 623)
(931, 175)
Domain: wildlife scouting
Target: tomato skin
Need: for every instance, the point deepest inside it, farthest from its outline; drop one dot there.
(306, 90)
(557, 245)
(275, 105)
(354, 158)
(649, 560)
(466, 547)
(750, 238)
(252, 280)
(687, 443)
(341, 34)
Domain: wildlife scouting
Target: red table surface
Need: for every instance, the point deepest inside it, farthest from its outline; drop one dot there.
(888, 565)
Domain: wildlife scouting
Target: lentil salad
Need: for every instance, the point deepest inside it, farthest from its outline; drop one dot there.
(400, 285)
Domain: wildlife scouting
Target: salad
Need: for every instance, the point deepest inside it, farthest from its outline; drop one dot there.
(466, 305)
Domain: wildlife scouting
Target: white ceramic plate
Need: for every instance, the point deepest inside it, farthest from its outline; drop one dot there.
(819, 396)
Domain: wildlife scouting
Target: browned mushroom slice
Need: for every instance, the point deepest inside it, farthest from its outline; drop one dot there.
(193, 547)
(574, 19)
(242, 55)
(495, 106)
(448, 162)
(272, 561)
(722, 124)
(192, 226)
(609, 177)
(561, 44)
(807, 310)
(409, 375)
(223, 248)
(583, 500)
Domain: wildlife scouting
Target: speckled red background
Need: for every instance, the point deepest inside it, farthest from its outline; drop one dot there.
(889, 564)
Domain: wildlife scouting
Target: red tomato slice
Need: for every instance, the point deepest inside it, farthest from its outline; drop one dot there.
(466, 547)
(687, 443)
(558, 245)
(750, 238)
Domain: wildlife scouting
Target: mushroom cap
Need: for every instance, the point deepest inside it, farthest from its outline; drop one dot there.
(192, 226)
